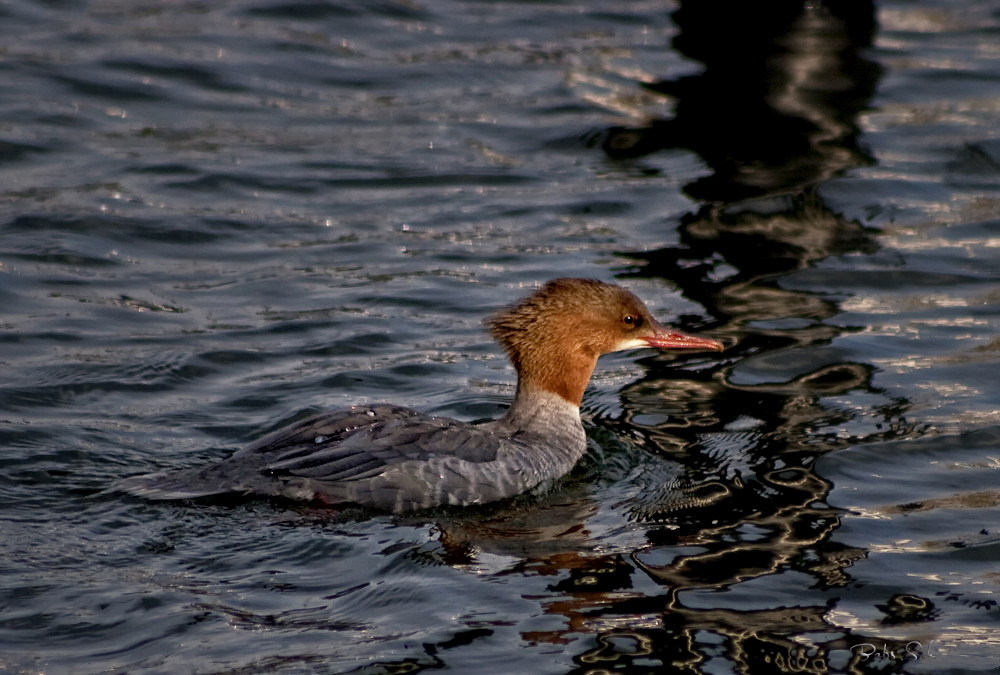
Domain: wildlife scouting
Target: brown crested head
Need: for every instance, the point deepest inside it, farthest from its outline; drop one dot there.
(555, 335)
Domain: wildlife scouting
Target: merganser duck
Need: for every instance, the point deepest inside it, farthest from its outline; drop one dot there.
(396, 459)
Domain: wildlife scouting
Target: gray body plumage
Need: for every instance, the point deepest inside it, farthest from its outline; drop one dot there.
(391, 458)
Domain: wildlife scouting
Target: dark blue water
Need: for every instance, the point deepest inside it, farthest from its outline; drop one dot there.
(218, 217)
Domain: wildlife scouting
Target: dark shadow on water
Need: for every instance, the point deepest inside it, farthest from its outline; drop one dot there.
(774, 108)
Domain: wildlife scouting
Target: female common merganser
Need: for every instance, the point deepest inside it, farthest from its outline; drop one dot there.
(396, 459)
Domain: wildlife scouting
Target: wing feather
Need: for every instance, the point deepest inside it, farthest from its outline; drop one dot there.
(361, 443)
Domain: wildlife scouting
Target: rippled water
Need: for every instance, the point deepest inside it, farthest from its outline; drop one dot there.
(217, 217)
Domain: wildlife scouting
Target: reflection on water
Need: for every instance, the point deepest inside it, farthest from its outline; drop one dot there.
(775, 107)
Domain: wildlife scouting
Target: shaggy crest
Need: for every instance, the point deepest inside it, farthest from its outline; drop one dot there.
(554, 336)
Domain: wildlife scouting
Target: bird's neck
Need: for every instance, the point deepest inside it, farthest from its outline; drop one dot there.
(559, 372)
(550, 386)
(537, 409)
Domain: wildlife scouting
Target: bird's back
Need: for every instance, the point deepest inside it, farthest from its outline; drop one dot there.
(384, 456)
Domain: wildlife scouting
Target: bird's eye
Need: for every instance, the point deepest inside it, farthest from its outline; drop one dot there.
(631, 320)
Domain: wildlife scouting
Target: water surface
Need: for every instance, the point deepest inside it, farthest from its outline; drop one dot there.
(216, 218)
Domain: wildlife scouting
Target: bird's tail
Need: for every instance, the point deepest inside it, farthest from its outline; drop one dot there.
(192, 483)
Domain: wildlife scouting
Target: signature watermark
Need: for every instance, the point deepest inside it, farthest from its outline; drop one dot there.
(914, 650)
